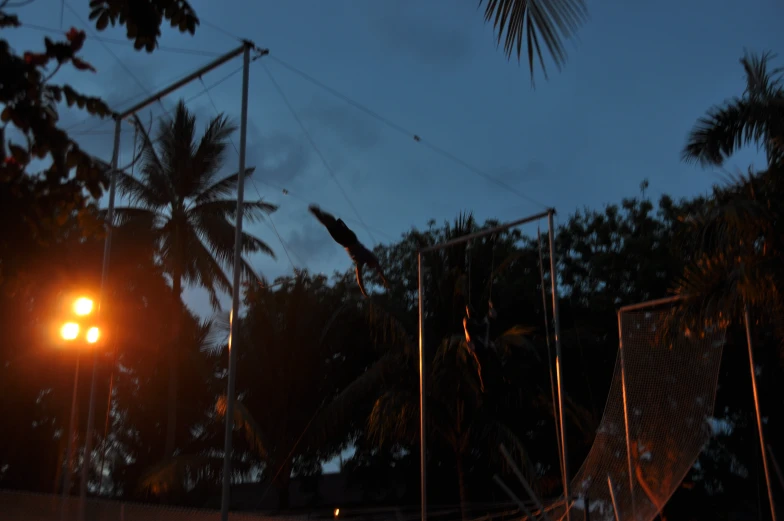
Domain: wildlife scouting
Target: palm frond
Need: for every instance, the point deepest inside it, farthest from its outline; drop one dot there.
(761, 81)
(220, 189)
(126, 215)
(394, 418)
(252, 211)
(550, 21)
(202, 268)
(219, 234)
(245, 422)
(211, 151)
(756, 117)
(518, 336)
(342, 409)
(140, 194)
(726, 129)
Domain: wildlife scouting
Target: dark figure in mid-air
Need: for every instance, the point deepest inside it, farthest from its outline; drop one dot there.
(344, 236)
(475, 340)
(477, 335)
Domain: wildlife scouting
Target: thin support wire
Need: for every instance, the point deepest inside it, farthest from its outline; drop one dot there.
(258, 193)
(235, 293)
(417, 138)
(124, 43)
(621, 353)
(422, 422)
(120, 62)
(448, 155)
(558, 360)
(422, 360)
(612, 498)
(753, 369)
(316, 149)
(776, 467)
(549, 351)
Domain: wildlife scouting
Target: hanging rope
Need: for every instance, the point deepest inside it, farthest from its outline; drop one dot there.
(549, 348)
(469, 251)
(490, 311)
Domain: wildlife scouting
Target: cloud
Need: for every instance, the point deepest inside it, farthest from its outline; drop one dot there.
(434, 34)
(351, 127)
(533, 170)
(279, 158)
(311, 242)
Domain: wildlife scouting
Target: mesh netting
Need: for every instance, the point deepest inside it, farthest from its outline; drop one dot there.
(670, 394)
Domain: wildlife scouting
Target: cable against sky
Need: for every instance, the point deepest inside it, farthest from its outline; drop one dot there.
(417, 138)
(124, 43)
(318, 152)
(112, 53)
(250, 178)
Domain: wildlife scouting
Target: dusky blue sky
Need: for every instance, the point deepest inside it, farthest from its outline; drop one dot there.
(637, 79)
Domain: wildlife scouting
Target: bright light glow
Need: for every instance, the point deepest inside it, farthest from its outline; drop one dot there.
(337, 512)
(83, 306)
(93, 334)
(69, 331)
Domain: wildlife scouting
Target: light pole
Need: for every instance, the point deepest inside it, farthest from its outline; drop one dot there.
(77, 327)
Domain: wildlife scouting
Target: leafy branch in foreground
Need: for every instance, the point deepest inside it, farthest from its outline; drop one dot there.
(35, 205)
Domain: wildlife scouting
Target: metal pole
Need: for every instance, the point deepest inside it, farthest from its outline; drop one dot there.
(626, 413)
(176, 85)
(651, 303)
(530, 491)
(776, 466)
(549, 351)
(757, 410)
(612, 498)
(69, 452)
(422, 437)
(558, 359)
(235, 290)
(107, 246)
(488, 231)
(514, 498)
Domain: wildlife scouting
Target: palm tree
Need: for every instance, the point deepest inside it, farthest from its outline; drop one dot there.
(555, 21)
(755, 117)
(301, 343)
(459, 414)
(180, 199)
(736, 259)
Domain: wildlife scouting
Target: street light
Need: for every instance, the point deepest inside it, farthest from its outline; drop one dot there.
(83, 306)
(69, 331)
(92, 336)
(77, 319)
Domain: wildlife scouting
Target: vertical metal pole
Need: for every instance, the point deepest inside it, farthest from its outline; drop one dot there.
(69, 452)
(549, 350)
(558, 359)
(626, 413)
(757, 410)
(422, 438)
(107, 246)
(530, 491)
(776, 466)
(235, 292)
(587, 504)
(612, 498)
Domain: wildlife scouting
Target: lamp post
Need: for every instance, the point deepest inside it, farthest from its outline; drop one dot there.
(76, 328)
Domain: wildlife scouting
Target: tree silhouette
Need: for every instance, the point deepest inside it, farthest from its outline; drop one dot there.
(180, 200)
